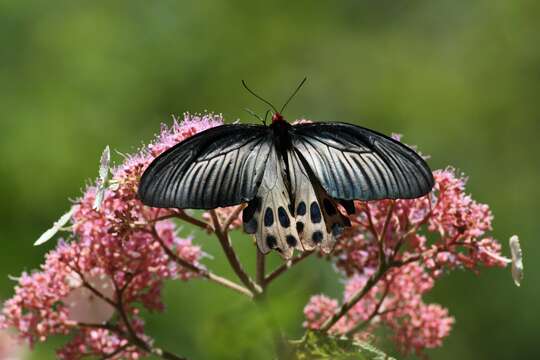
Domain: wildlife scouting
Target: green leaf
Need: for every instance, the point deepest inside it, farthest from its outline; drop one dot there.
(316, 345)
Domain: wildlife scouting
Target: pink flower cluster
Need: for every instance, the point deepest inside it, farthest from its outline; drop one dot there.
(118, 254)
(457, 225)
(395, 302)
(111, 262)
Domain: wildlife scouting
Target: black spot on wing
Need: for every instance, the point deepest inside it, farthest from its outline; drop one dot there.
(301, 209)
(317, 237)
(268, 217)
(283, 217)
(315, 213)
(291, 240)
(271, 241)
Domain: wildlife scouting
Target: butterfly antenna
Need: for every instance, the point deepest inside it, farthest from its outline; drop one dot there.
(253, 113)
(266, 115)
(293, 94)
(258, 97)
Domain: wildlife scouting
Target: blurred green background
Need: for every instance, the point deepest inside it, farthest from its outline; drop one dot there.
(460, 79)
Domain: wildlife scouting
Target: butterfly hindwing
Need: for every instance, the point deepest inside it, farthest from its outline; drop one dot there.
(318, 220)
(221, 166)
(269, 215)
(352, 162)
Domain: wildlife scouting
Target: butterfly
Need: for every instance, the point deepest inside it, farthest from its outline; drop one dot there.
(294, 178)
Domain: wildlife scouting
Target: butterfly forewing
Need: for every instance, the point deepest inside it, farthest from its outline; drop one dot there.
(352, 162)
(218, 167)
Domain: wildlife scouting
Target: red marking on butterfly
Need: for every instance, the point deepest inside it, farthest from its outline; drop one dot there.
(277, 117)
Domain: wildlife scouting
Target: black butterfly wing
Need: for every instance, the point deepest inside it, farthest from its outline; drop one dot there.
(352, 162)
(221, 166)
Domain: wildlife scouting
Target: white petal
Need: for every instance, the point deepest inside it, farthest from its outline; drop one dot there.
(47, 235)
(517, 260)
(98, 200)
(104, 164)
(87, 307)
(10, 348)
(103, 177)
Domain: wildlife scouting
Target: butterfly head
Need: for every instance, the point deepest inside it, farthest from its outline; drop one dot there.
(277, 117)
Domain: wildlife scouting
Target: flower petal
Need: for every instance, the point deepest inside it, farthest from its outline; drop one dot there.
(47, 235)
(103, 177)
(517, 260)
(86, 307)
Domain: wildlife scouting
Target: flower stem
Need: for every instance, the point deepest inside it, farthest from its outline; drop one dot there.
(200, 270)
(375, 312)
(348, 305)
(225, 242)
(381, 235)
(181, 214)
(227, 283)
(131, 336)
(233, 216)
(384, 265)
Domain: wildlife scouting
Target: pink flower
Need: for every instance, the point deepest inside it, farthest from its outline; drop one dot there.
(395, 303)
(458, 227)
(36, 310)
(89, 342)
(120, 252)
(458, 223)
(319, 308)
(456, 214)
(180, 130)
(113, 251)
(419, 328)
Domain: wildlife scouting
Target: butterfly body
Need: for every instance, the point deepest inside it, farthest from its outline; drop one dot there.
(291, 176)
